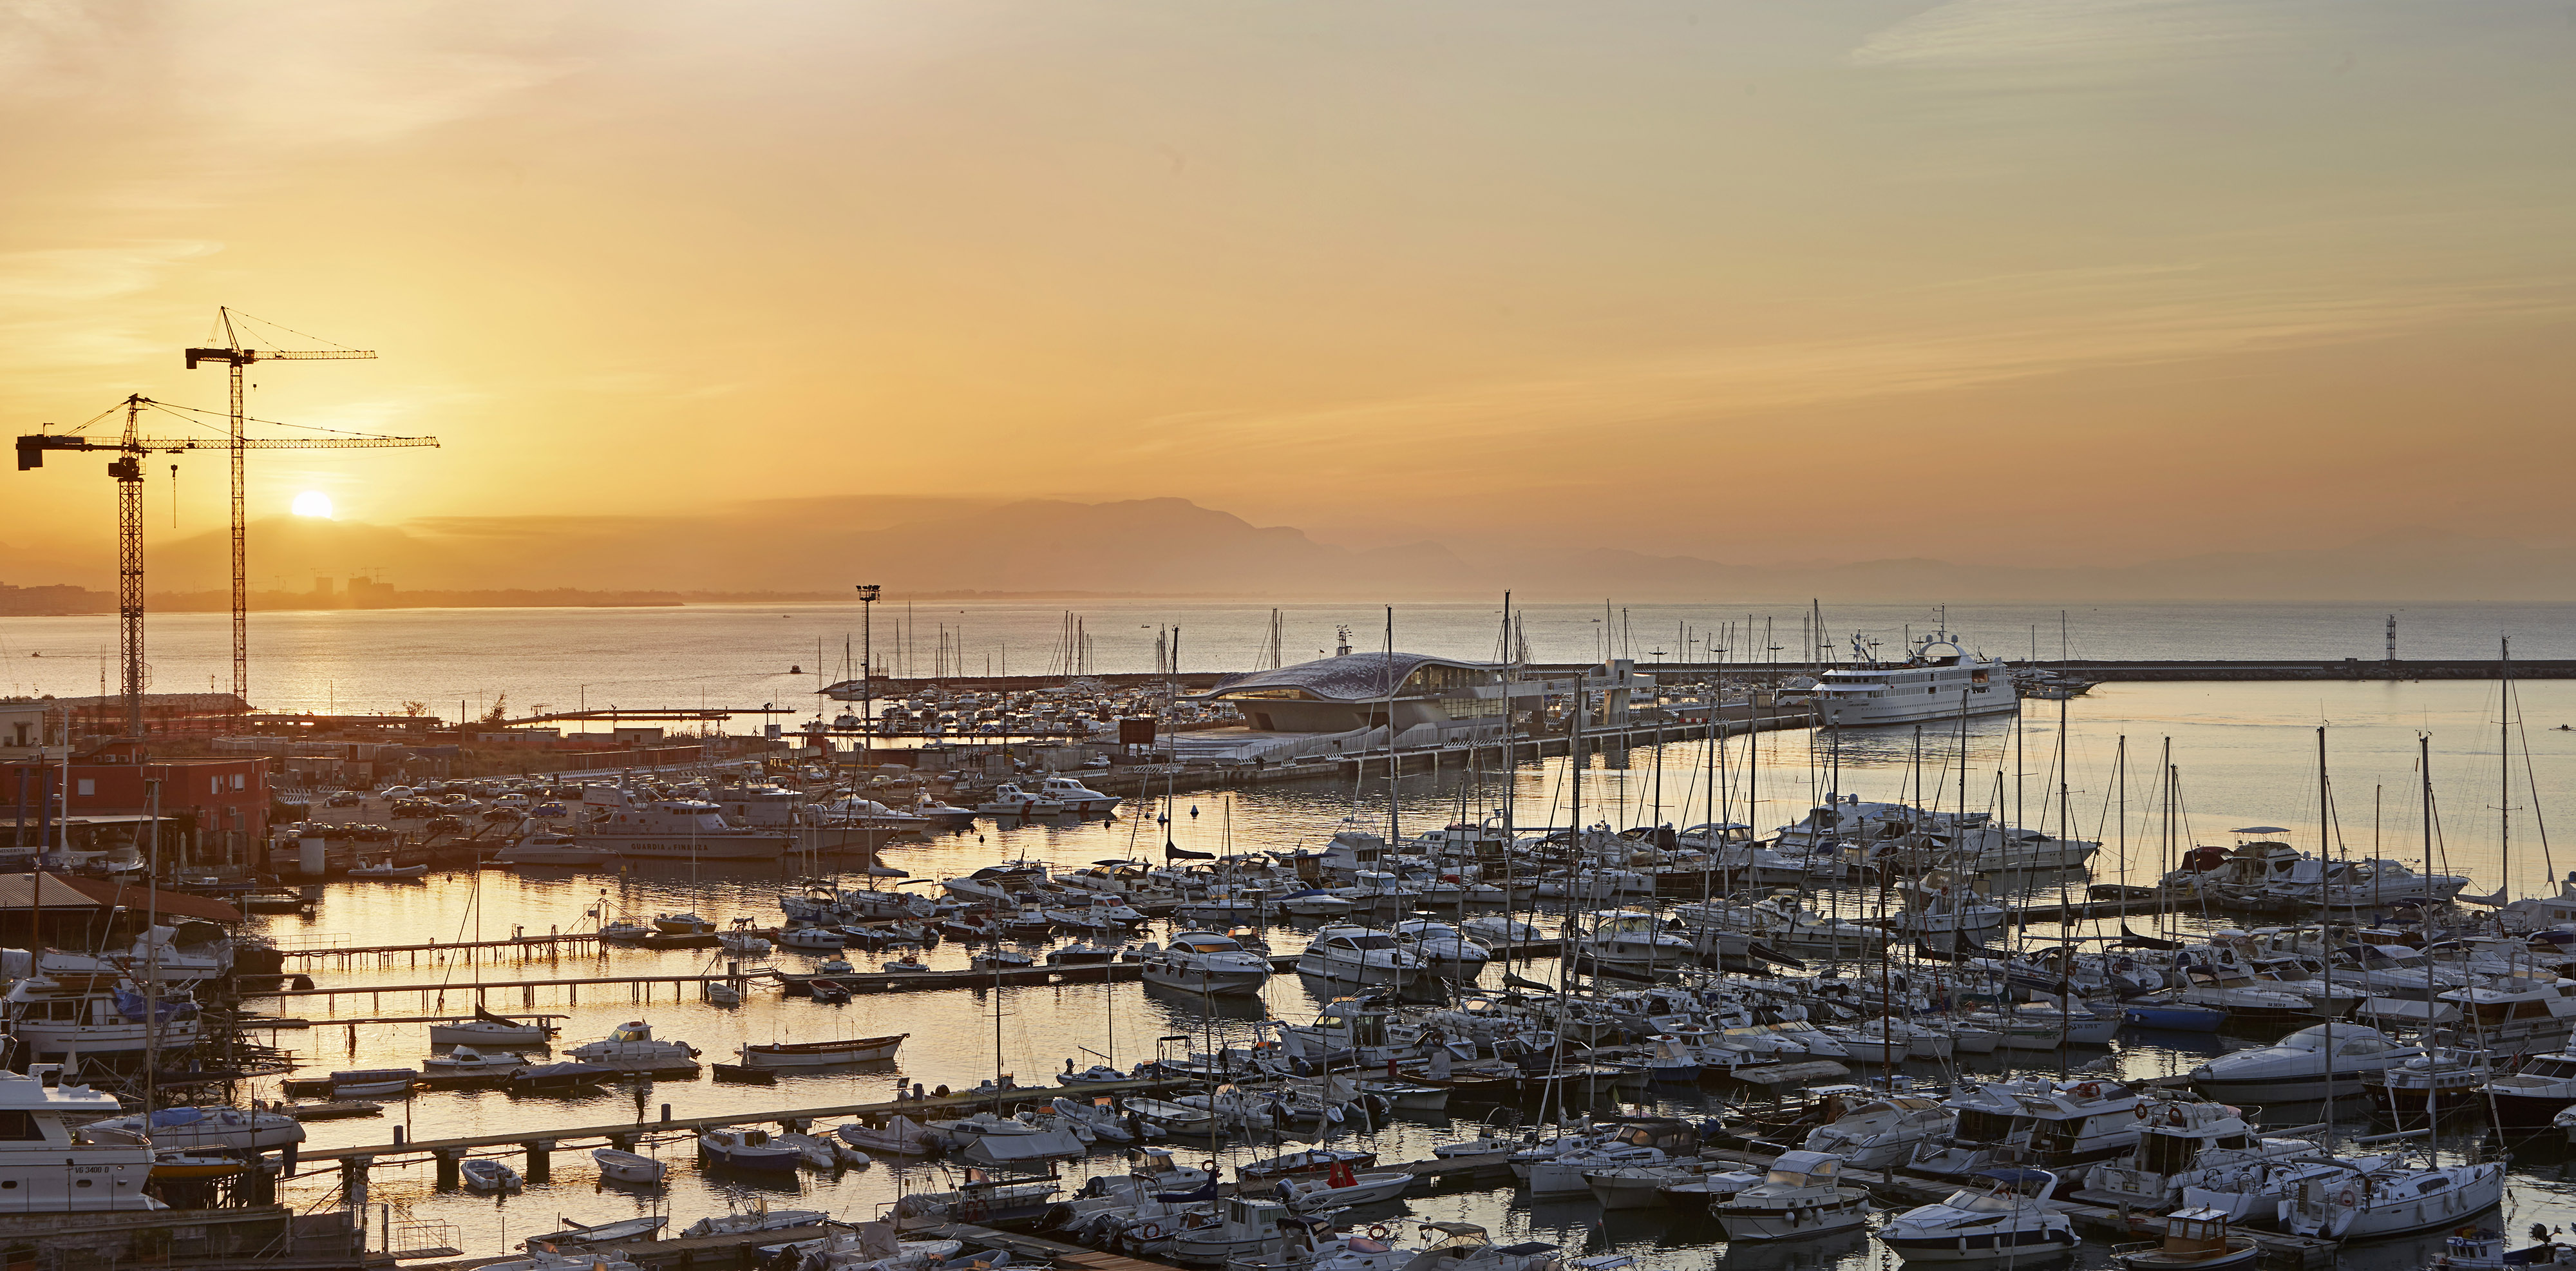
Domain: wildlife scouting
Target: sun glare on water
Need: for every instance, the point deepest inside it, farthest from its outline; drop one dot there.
(313, 503)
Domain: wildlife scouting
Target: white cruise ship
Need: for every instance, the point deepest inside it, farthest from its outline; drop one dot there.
(1938, 680)
(669, 829)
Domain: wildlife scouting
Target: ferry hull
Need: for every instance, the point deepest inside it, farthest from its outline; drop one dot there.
(747, 847)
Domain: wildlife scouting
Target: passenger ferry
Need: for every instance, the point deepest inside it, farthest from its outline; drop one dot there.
(1939, 679)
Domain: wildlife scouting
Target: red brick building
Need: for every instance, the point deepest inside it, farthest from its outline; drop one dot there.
(211, 809)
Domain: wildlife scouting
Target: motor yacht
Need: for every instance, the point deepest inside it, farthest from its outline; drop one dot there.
(2183, 1144)
(1879, 1133)
(2008, 1218)
(630, 1047)
(1629, 938)
(1360, 955)
(749, 1150)
(1075, 796)
(1939, 679)
(2305, 1066)
(1446, 948)
(668, 829)
(1800, 1195)
(220, 1127)
(96, 1015)
(2534, 1093)
(1207, 962)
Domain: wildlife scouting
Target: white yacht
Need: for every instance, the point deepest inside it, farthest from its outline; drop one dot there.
(1800, 1196)
(2373, 1197)
(630, 1047)
(1630, 938)
(1360, 955)
(2010, 1219)
(1939, 679)
(669, 829)
(83, 1016)
(1874, 1134)
(2182, 1145)
(223, 1127)
(1075, 796)
(1207, 962)
(43, 1170)
(1446, 948)
(2302, 1066)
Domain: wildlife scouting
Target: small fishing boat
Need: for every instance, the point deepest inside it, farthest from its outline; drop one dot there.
(386, 869)
(812, 939)
(682, 925)
(467, 1061)
(581, 1235)
(627, 1167)
(857, 1050)
(372, 1083)
(1316, 1161)
(748, 1150)
(909, 964)
(2196, 1239)
(834, 966)
(567, 1075)
(1342, 1188)
(763, 1219)
(722, 994)
(1082, 954)
(2481, 1249)
(483, 1174)
(488, 1029)
(828, 992)
(2012, 1219)
(899, 1136)
(996, 960)
(623, 929)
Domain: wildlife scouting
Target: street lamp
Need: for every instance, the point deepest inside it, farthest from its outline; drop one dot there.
(868, 662)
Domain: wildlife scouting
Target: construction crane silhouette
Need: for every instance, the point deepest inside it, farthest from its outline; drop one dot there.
(234, 355)
(127, 470)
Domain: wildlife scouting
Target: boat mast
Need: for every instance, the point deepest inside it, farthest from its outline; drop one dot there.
(2504, 763)
(2325, 930)
(2424, 766)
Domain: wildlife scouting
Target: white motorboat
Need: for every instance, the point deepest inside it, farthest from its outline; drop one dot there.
(2302, 1067)
(2010, 1218)
(1343, 1189)
(387, 870)
(748, 1149)
(822, 1153)
(1629, 938)
(2184, 1144)
(986, 1139)
(668, 829)
(737, 1224)
(1446, 948)
(223, 1127)
(87, 1015)
(812, 939)
(372, 1083)
(465, 1061)
(899, 1136)
(630, 1047)
(1359, 955)
(483, 1174)
(1879, 1133)
(1075, 796)
(1315, 902)
(1008, 799)
(1207, 962)
(41, 1164)
(488, 1029)
(1800, 1196)
(627, 1167)
(1938, 679)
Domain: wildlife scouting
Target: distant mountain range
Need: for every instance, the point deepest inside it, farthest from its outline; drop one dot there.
(1172, 547)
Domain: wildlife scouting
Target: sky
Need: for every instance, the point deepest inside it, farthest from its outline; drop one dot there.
(2042, 282)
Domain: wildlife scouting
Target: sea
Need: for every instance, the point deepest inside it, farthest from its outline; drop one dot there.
(2147, 769)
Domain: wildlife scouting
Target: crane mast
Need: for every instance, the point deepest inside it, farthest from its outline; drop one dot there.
(234, 356)
(127, 470)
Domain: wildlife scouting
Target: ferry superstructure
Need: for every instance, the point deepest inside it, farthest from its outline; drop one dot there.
(1939, 679)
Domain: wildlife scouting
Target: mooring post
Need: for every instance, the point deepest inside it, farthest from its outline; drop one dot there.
(540, 1158)
(447, 1158)
(353, 1180)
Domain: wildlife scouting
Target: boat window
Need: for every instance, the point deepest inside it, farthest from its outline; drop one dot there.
(2434, 1183)
(18, 1126)
(1786, 1177)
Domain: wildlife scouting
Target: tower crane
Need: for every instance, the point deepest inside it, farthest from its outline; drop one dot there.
(234, 355)
(127, 471)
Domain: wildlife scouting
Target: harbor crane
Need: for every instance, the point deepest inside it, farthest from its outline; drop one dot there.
(235, 355)
(127, 471)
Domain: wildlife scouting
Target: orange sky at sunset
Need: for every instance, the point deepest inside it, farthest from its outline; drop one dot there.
(2058, 283)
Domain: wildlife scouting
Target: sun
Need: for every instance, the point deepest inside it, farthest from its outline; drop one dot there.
(313, 503)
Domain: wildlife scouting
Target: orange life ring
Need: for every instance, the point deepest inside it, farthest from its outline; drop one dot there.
(1150, 1231)
(1378, 1231)
(2349, 1199)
